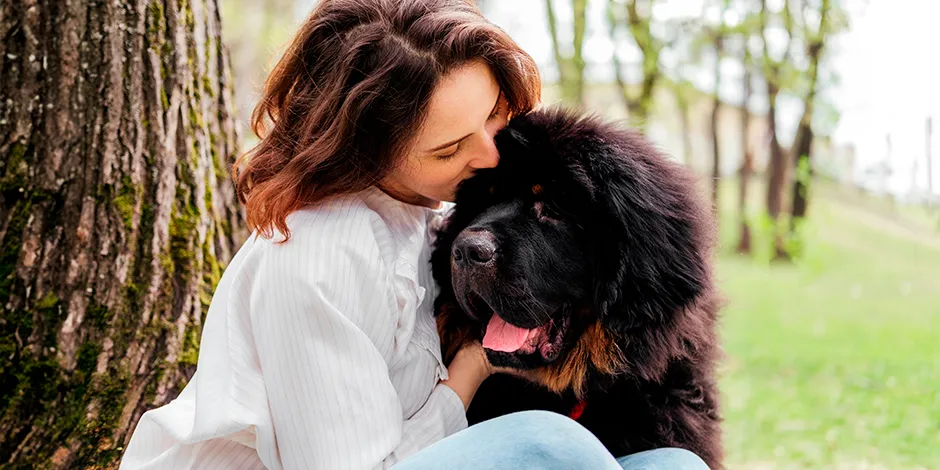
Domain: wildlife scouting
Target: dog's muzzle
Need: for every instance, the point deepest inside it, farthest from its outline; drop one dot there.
(474, 249)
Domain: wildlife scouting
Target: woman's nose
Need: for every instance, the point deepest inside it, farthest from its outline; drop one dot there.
(487, 156)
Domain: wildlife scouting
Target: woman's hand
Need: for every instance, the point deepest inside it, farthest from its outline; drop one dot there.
(469, 369)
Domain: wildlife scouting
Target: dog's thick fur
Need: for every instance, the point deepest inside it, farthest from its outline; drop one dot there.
(603, 230)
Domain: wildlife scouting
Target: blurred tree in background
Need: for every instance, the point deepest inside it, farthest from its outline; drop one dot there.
(635, 19)
(117, 217)
(271, 23)
(682, 40)
(570, 63)
(778, 72)
(819, 21)
(717, 35)
(740, 38)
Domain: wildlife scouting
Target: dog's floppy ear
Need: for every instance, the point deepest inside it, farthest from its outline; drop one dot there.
(655, 231)
(511, 134)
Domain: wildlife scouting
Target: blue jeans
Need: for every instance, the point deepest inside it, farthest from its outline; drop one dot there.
(538, 440)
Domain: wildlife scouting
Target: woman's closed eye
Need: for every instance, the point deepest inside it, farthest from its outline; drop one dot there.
(450, 155)
(496, 113)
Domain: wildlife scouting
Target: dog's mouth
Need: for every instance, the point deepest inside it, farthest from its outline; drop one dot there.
(545, 340)
(501, 337)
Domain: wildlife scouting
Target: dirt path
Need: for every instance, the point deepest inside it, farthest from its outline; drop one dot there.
(893, 225)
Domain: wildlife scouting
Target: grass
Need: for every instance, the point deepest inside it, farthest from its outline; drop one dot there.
(834, 361)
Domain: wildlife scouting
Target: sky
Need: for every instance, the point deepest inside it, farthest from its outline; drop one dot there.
(891, 84)
(888, 65)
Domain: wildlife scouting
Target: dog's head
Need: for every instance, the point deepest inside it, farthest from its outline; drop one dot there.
(582, 233)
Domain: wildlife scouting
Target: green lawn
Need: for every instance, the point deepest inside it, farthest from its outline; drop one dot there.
(833, 362)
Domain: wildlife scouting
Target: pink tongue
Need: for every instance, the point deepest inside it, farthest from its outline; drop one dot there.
(501, 336)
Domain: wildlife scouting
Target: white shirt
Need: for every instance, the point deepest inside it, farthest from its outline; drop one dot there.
(321, 352)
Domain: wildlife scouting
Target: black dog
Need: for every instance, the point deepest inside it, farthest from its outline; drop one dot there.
(584, 261)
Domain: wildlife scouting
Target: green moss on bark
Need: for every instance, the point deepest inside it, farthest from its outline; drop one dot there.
(189, 354)
(52, 314)
(98, 448)
(16, 170)
(16, 323)
(126, 201)
(12, 245)
(182, 236)
(97, 315)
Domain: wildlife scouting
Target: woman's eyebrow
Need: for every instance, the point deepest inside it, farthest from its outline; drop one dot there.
(448, 144)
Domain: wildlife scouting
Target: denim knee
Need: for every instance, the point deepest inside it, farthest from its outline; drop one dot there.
(551, 440)
(525, 440)
(671, 458)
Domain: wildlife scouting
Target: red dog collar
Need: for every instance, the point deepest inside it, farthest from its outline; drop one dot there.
(576, 411)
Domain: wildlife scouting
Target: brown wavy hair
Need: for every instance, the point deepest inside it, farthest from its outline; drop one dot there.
(342, 106)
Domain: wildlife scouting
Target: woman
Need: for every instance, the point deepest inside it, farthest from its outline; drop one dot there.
(319, 348)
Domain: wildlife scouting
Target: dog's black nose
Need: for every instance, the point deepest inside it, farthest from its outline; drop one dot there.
(474, 247)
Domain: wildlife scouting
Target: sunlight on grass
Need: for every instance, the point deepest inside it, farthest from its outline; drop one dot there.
(833, 361)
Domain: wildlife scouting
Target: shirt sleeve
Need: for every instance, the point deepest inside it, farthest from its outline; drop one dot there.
(318, 312)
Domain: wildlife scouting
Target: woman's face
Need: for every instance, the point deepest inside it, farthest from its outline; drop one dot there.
(465, 112)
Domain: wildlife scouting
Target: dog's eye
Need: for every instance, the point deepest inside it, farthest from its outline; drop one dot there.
(545, 213)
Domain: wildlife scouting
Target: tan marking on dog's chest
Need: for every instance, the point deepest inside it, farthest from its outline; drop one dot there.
(596, 347)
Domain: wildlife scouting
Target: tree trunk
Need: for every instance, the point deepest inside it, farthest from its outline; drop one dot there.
(716, 107)
(117, 216)
(777, 167)
(639, 24)
(622, 87)
(570, 69)
(637, 21)
(718, 39)
(579, 7)
(270, 22)
(776, 175)
(683, 104)
(802, 155)
(930, 194)
(802, 163)
(747, 162)
(716, 155)
(929, 155)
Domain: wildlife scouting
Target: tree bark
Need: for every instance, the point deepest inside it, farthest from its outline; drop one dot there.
(718, 41)
(777, 167)
(622, 87)
(802, 148)
(682, 102)
(747, 162)
(930, 194)
(802, 164)
(570, 69)
(117, 216)
(776, 175)
(716, 156)
(637, 19)
(716, 107)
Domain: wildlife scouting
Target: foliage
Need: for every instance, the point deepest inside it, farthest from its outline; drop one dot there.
(635, 17)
